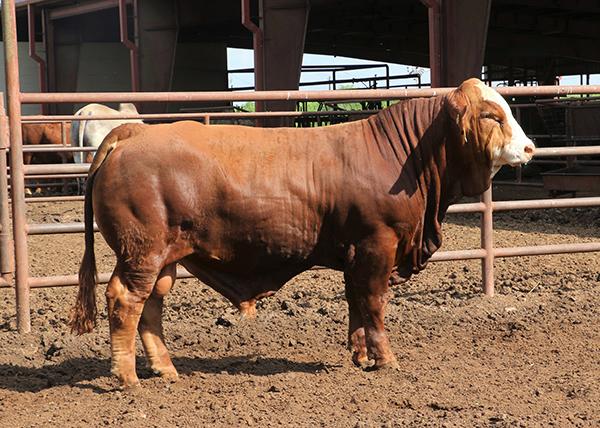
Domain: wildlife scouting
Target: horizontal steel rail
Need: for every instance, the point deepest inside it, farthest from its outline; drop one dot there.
(540, 250)
(546, 203)
(54, 228)
(43, 199)
(345, 95)
(567, 151)
(55, 148)
(216, 115)
(440, 256)
(83, 168)
(50, 168)
(69, 280)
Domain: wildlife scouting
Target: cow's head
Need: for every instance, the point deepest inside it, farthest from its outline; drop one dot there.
(489, 135)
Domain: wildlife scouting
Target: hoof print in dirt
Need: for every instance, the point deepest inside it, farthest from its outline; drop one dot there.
(226, 320)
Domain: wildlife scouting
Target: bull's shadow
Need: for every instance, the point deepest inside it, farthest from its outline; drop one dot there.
(77, 370)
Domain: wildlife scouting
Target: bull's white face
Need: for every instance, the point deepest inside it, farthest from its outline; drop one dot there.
(513, 147)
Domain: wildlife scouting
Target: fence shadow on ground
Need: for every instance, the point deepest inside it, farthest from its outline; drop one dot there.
(78, 371)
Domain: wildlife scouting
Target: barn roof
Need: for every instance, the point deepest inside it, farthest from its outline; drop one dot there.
(539, 36)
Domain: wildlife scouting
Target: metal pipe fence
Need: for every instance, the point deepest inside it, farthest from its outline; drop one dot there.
(22, 282)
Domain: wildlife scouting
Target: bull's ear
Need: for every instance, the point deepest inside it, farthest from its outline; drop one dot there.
(458, 109)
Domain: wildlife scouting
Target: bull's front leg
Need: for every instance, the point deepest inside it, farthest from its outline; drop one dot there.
(124, 310)
(368, 274)
(356, 331)
(150, 326)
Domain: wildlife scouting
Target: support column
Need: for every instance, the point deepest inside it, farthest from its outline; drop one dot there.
(283, 24)
(457, 38)
(158, 28)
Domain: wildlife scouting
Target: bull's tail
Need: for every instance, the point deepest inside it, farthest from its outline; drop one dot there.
(83, 315)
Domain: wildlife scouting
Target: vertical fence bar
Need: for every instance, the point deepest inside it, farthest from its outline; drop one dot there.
(487, 243)
(6, 252)
(17, 181)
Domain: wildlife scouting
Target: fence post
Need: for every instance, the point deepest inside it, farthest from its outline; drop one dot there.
(17, 180)
(487, 243)
(6, 251)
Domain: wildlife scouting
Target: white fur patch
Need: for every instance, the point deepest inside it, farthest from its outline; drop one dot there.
(520, 148)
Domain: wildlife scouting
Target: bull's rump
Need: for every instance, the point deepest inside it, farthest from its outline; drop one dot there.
(241, 199)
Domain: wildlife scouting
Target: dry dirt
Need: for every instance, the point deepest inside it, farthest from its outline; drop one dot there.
(530, 356)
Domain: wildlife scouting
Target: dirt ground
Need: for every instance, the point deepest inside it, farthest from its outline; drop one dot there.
(530, 356)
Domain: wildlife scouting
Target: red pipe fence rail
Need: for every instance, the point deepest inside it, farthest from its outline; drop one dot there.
(15, 270)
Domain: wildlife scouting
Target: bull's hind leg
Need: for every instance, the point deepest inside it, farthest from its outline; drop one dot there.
(368, 275)
(150, 326)
(125, 300)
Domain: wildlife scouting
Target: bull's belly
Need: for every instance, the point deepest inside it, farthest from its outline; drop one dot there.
(242, 280)
(253, 263)
(248, 255)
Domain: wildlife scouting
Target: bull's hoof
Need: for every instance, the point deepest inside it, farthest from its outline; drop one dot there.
(362, 361)
(130, 385)
(386, 366)
(167, 374)
(126, 382)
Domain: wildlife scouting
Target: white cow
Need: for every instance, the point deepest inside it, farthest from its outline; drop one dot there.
(90, 133)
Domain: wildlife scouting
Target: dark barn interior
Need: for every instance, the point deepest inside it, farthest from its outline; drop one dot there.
(516, 40)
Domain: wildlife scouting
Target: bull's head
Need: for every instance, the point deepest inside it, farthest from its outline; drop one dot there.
(489, 135)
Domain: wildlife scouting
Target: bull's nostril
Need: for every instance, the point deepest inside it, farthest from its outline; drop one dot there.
(529, 150)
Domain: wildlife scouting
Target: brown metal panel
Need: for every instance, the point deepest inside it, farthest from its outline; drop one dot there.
(464, 26)
(457, 38)
(158, 29)
(283, 24)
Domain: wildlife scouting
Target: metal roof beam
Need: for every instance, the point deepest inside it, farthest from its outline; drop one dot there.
(82, 8)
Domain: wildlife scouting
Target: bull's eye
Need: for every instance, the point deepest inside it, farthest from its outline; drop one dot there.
(490, 116)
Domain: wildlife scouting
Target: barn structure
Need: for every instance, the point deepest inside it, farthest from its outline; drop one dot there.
(159, 45)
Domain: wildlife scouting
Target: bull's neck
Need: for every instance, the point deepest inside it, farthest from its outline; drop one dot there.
(406, 127)
(411, 136)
